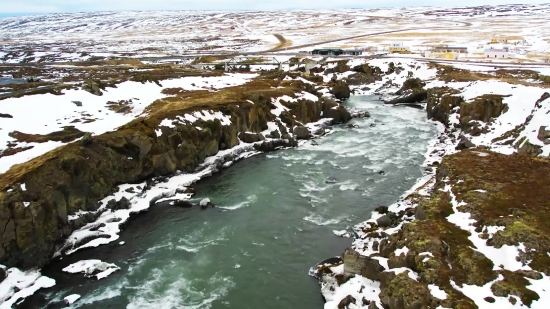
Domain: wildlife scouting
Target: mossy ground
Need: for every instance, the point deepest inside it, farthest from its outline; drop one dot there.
(449, 73)
(499, 190)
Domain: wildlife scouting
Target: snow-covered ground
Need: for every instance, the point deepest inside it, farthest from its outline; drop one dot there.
(520, 100)
(46, 113)
(18, 285)
(86, 36)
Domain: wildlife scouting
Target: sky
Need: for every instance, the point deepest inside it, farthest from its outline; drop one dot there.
(25, 7)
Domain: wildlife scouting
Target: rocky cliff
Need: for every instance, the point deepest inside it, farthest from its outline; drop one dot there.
(37, 197)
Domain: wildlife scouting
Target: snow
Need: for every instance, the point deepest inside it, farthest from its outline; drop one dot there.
(19, 285)
(92, 268)
(437, 292)
(401, 251)
(478, 293)
(502, 258)
(358, 287)
(401, 270)
(53, 112)
(69, 300)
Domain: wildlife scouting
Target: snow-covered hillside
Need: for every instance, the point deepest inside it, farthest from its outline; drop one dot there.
(87, 36)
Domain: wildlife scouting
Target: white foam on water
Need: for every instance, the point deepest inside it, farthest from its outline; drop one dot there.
(318, 220)
(249, 200)
(162, 292)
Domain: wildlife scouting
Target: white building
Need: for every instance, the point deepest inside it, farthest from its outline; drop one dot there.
(496, 53)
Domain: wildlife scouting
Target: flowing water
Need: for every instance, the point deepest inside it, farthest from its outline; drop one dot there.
(274, 219)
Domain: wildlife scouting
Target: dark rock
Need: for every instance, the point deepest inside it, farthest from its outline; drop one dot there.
(365, 302)
(183, 203)
(381, 172)
(77, 103)
(123, 109)
(331, 180)
(384, 221)
(111, 204)
(375, 245)
(464, 143)
(356, 264)
(5, 115)
(249, 137)
(530, 149)
(130, 190)
(489, 299)
(381, 209)
(87, 139)
(301, 132)
(123, 203)
(341, 90)
(344, 303)
(206, 203)
(3, 274)
(275, 134)
(373, 305)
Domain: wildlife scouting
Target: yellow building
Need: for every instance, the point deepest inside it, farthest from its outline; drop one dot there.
(398, 47)
(440, 55)
(498, 40)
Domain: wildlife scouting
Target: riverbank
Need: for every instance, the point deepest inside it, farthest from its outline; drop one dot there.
(55, 196)
(468, 234)
(273, 218)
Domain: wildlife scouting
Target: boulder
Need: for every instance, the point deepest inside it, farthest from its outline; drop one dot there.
(5, 115)
(544, 135)
(381, 209)
(301, 132)
(123, 203)
(77, 103)
(183, 203)
(441, 101)
(356, 264)
(205, 203)
(384, 221)
(464, 143)
(344, 303)
(275, 134)
(341, 90)
(86, 139)
(250, 137)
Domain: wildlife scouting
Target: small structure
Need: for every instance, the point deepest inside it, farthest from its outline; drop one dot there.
(450, 49)
(328, 51)
(492, 53)
(498, 40)
(437, 55)
(398, 48)
(353, 52)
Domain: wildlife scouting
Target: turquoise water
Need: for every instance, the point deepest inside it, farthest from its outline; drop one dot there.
(275, 219)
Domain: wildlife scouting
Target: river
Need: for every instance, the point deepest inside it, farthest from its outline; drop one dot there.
(274, 220)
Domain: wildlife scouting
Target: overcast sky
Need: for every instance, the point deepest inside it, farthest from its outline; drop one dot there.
(18, 7)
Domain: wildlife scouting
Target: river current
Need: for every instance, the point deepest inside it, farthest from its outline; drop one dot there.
(274, 220)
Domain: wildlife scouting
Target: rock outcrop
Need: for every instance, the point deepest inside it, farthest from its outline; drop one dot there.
(341, 90)
(412, 91)
(37, 197)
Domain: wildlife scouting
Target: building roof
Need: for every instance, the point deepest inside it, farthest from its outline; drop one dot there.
(353, 50)
(496, 50)
(451, 47)
(328, 49)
